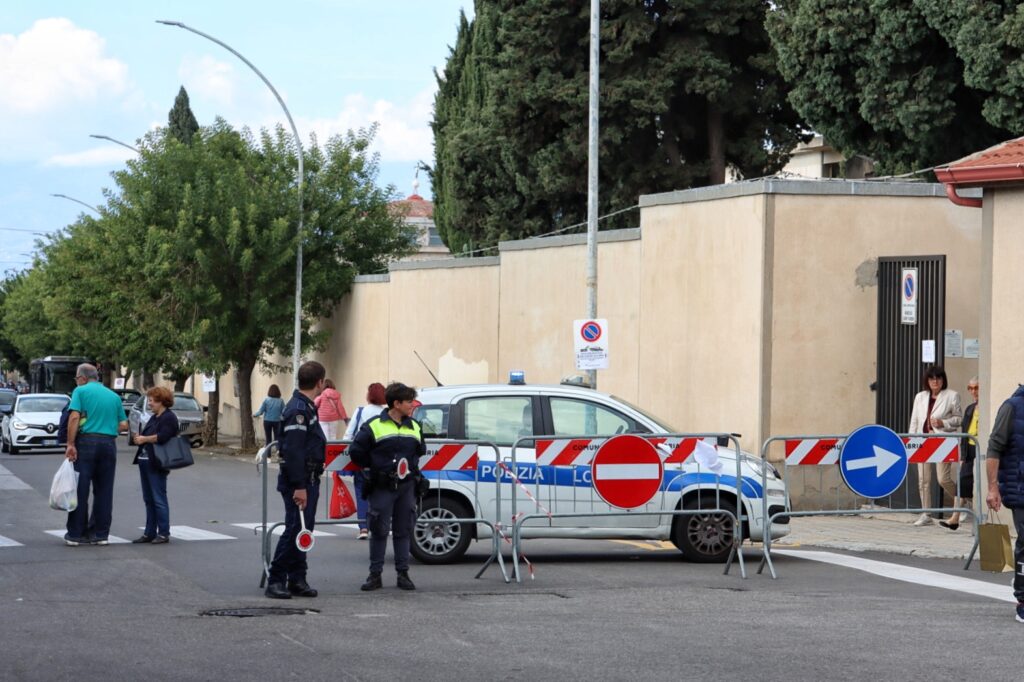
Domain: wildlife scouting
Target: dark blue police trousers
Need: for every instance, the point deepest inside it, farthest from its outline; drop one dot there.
(289, 562)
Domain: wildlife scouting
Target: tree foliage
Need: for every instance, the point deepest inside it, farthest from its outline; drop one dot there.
(181, 122)
(687, 89)
(909, 83)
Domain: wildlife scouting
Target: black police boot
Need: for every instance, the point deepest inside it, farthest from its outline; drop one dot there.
(404, 582)
(277, 591)
(301, 589)
(372, 583)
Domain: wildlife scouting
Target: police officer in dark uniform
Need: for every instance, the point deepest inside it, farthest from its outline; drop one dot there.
(302, 453)
(390, 446)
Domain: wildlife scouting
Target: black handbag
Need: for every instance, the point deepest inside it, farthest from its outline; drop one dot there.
(174, 454)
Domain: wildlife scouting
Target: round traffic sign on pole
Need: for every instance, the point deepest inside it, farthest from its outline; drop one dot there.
(626, 471)
(873, 461)
(591, 331)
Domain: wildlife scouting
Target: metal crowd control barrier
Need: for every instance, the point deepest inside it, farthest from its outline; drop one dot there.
(823, 450)
(570, 454)
(443, 457)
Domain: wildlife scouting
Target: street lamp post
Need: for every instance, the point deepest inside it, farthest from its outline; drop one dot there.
(110, 139)
(298, 144)
(78, 201)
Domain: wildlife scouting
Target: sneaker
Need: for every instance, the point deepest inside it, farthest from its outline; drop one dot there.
(1020, 612)
(364, 534)
(74, 542)
(99, 541)
(924, 520)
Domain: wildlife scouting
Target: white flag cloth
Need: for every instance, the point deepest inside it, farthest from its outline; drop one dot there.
(707, 457)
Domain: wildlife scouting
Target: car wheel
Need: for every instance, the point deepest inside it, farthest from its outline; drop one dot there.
(435, 540)
(13, 450)
(197, 443)
(3, 444)
(705, 538)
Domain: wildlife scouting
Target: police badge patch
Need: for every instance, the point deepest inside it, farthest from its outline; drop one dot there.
(300, 419)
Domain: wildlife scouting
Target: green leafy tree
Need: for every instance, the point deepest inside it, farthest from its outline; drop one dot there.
(181, 122)
(687, 90)
(9, 352)
(877, 78)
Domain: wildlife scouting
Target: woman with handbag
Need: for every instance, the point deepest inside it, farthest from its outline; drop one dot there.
(161, 427)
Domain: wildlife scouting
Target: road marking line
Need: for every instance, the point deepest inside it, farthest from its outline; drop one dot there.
(113, 539)
(280, 529)
(9, 481)
(7, 542)
(190, 533)
(918, 576)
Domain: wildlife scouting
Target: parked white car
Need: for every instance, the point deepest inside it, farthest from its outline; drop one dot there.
(502, 414)
(186, 408)
(32, 424)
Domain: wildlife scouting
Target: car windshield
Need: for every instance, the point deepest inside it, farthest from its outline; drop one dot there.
(54, 404)
(7, 398)
(186, 403)
(664, 425)
(130, 395)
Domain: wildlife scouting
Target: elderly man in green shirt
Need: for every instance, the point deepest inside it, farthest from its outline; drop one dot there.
(97, 416)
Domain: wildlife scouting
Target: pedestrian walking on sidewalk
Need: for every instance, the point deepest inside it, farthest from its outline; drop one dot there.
(936, 410)
(969, 448)
(390, 446)
(375, 404)
(271, 410)
(298, 481)
(330, 410)
(1004, 465)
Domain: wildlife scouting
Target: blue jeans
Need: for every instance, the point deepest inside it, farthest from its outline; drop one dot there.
(97, 460)
(289, 562)
(362, 506)
(154, 494)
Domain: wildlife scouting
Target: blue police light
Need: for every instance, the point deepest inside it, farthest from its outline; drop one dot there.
(516, 377)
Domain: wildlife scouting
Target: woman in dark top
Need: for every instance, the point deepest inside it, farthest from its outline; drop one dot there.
(161, 427)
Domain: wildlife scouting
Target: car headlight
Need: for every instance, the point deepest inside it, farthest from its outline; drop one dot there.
(19, 425)
(760, 466)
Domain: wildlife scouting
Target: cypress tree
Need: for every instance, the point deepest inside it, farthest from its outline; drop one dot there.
(181, 122)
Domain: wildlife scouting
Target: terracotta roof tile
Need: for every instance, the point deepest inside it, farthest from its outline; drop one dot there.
(416, 206)
(1003, 162)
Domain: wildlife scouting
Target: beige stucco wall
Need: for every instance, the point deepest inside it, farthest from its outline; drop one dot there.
(702, 267)
(544, 289)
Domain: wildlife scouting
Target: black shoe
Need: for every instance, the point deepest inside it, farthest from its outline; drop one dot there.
(302, 589)
(951, 526)
(372, 583)
(161, 540)
(404, 582)
(75, 542)
(142, 540)
(277, 591)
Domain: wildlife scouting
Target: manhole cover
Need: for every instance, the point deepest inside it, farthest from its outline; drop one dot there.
(258, 611)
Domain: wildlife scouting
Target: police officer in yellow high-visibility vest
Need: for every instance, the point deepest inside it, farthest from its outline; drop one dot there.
(390, 446)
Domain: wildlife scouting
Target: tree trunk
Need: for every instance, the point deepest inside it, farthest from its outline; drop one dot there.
(716, 145)
(179, 382)
(148, 380)
(245, 368)
(212, 415)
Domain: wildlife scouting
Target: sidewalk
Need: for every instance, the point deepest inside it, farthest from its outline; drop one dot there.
(892, 533)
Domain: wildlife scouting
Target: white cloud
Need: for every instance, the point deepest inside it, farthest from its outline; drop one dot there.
(403, 134)
(98, 156)
(54, 63)
(209, 78)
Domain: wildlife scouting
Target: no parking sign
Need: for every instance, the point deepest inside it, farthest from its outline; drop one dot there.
(590, 341)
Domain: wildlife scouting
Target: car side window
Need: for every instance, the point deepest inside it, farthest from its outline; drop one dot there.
(583, 418)
(433, 419)
(499, 419)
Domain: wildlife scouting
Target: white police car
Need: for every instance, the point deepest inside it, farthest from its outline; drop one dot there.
(502, 414)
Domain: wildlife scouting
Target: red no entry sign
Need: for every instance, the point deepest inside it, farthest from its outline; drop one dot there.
(626, 471)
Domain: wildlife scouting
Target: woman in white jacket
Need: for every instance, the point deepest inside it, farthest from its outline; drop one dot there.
(936, 410)
(375, 404)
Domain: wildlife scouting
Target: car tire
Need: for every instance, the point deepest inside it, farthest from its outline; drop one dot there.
(433, 540)
(197, 443)
(13, 450)
(3, 444)
(705, 538)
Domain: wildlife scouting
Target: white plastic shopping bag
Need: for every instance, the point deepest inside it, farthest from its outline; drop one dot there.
(64, 490)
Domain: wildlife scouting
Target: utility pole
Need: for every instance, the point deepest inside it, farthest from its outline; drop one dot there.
(595, 51)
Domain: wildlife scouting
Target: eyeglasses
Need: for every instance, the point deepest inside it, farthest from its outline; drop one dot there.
(972, 388)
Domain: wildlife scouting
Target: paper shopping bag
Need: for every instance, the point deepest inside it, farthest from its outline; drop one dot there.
(996, 553)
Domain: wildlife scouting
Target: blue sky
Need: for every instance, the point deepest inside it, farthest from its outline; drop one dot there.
(71, 69)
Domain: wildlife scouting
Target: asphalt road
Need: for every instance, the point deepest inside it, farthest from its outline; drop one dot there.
(595, 610)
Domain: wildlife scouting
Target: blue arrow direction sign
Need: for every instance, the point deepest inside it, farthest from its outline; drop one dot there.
(873, 461)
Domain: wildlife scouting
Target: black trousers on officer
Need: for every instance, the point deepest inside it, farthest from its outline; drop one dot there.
(289, 564)
(394, 509)
(1018, 553)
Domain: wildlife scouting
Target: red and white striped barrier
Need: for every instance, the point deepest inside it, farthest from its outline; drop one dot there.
(812, 452)
(678, 450)
(449, 457)
(579, 451)
(932, 449)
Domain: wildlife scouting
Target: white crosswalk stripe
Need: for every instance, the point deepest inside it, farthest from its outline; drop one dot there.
(113, 539)
(280, 529)
(9, 481)
(190, 533)
(7, 542)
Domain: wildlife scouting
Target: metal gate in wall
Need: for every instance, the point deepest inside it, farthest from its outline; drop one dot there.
(900, 364)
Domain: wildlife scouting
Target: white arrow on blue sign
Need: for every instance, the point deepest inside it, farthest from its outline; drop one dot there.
(873, 461)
